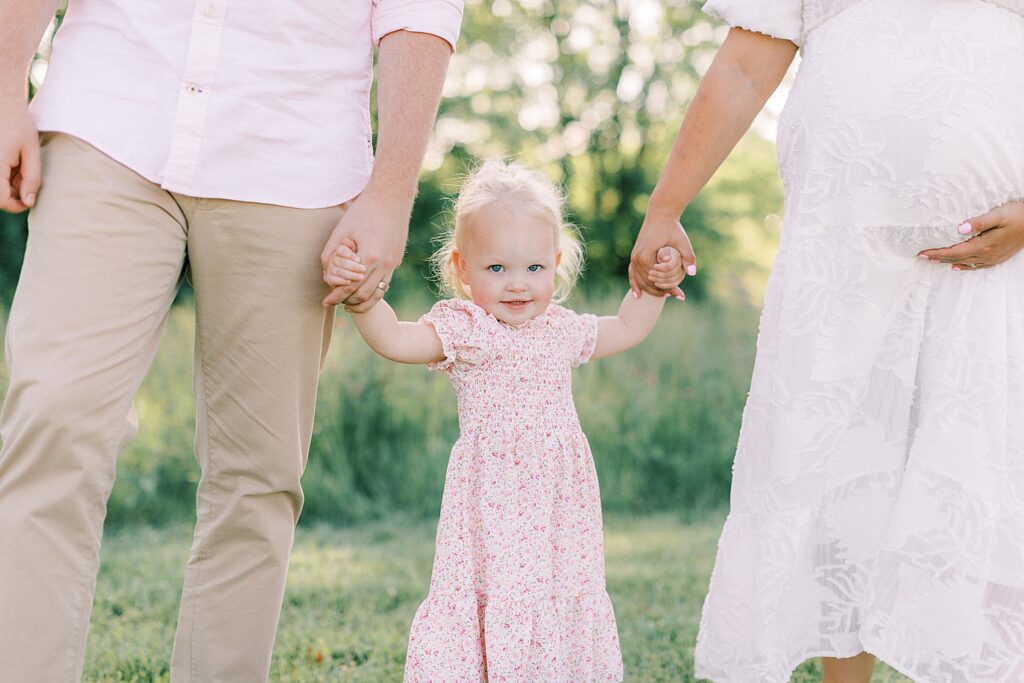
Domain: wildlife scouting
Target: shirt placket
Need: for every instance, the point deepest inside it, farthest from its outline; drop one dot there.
(194, 96)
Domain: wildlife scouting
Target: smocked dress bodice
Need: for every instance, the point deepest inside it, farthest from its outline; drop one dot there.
(513, 380)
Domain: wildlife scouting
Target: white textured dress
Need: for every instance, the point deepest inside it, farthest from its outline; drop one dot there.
(878, 490)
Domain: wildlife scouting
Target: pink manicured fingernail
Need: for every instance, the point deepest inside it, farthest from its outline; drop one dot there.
(681, 297)
(965, 228)
(691, 270)
(924, 256)
(635, 294)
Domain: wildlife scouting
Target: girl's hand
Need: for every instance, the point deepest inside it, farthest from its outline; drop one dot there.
(667, 273)
(998, 235)
(659, 230)
(344, 267)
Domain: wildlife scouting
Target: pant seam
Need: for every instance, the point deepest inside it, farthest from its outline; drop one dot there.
(201, 358)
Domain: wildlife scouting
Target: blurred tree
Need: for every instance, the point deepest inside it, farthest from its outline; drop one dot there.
(591, 91)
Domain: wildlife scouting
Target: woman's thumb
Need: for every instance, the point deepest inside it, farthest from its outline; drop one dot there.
(980, 224)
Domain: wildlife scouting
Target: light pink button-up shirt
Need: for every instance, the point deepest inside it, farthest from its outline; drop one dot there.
(264, 101)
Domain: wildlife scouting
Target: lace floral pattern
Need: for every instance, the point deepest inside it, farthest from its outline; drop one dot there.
(878, 489)
(518, 591)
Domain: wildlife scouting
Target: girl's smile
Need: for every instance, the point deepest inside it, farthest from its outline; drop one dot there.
(507, 260)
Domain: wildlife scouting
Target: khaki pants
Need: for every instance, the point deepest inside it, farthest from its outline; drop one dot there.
(105, 257)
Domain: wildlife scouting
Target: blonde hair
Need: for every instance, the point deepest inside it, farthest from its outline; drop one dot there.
(497, 181)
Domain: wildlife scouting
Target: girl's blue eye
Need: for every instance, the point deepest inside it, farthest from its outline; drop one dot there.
(495, 268)
(535, 267)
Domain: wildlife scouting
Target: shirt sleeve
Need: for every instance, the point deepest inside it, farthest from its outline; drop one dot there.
(442, 18)
(463, 328)
(775, 18)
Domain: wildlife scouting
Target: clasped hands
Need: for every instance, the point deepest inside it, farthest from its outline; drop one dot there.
(376, 227)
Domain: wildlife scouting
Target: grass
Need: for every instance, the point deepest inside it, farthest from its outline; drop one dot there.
(352, 593)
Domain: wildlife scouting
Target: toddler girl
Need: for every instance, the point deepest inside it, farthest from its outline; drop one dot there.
(518, 591)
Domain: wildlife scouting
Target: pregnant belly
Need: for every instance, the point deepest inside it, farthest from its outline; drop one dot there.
(906, 114)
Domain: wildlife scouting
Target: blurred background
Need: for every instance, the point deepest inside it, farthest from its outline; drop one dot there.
(592, 93)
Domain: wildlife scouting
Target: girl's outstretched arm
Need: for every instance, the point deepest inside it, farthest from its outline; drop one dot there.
(637, 316)
(402, 342)
(630, 326)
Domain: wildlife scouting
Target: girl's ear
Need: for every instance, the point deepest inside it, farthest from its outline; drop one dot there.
(460, 265)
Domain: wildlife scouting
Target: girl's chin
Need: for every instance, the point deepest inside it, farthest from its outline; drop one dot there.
(514, 314)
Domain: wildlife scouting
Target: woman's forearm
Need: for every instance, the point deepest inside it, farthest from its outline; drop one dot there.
(746, 71)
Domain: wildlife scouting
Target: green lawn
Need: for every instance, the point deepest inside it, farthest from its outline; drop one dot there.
(352, 593)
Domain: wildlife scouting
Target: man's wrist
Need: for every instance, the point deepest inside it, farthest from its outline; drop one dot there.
(399, 196)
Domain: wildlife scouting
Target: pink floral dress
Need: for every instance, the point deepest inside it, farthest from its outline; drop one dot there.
(518, 589)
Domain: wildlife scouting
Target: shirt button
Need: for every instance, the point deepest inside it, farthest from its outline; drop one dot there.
(209, 12)
(193, 88)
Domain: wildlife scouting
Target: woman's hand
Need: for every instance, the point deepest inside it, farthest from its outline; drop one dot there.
(998, 235)
(659, 230)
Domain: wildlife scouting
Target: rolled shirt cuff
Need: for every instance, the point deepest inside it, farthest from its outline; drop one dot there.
(442, 18)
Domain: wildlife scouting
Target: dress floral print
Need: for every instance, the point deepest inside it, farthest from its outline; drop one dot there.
(518, 589)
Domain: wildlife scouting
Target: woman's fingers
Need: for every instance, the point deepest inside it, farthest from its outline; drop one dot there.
(979, 224)
(957, 252)
(977, 253)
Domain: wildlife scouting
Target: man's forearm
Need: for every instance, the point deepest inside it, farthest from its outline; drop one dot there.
(410, 74)
(23, 26)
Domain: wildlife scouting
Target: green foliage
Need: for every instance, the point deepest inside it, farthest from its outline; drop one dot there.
(590, 91)
(13, 231)
(662, 421)
(352, 593)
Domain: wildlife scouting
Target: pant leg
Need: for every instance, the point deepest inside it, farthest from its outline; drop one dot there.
(261, 337)
(102, 264)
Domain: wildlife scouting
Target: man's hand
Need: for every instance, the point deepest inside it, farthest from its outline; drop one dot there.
(376, 228)
(998, 235)
(20, 170)
(659, 230)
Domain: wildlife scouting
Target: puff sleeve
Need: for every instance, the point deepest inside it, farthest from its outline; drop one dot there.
(579, 330)
(776, 18)
(464, 329)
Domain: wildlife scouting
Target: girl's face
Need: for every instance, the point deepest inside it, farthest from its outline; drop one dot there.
(508, 260)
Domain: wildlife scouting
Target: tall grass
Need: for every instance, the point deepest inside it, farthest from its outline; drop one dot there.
(662, 420)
